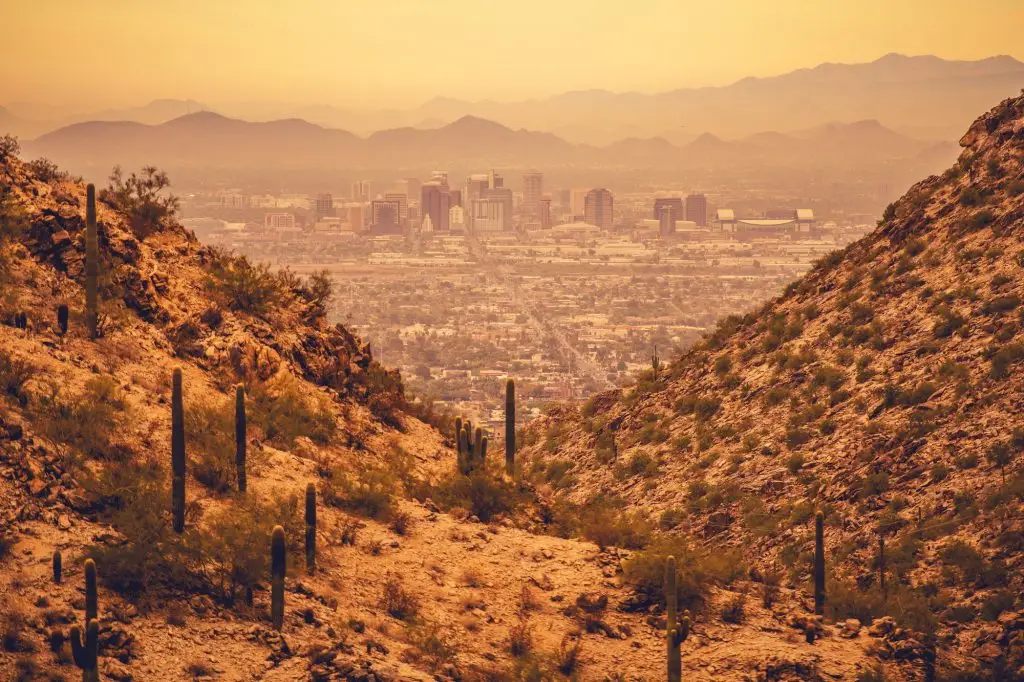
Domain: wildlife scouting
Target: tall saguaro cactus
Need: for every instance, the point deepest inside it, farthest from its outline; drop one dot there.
(85, 652)
(240, 436)
(92, 263)
(310, 527)
(58, 563)
(91, 600)
(676, 629)
(177, 453)
(510, 426)
(277, 569)
(881, 562)
(819, 564)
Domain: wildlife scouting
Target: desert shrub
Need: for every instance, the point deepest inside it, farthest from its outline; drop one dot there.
(238, 285)
(722, 365)
(1004, 358)
(948, 323)
(733, 610)
(14, 374)
(235, 540)
(401, 522)
(484, 495)
(210, 434)
(965, 559)
(141, 199)
(281, 411)
(85, 422)
(605, 525)
(981, 219)
(970, 196)
(996, 604)
(368, 492)
(386, 395)
(645, 572)
(909, 608)
(829, 377)
(705, 408)
(671, 518)
(567, 658)
(13, 630)
(139, 495)
(641, 464)
(1000, 304)
(398, 601)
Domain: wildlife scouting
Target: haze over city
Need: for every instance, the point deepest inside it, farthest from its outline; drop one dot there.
(462, 341)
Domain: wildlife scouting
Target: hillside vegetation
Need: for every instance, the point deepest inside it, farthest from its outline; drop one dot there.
(885, 388)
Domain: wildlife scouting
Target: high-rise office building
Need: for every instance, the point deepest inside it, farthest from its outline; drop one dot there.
(577, 202)
(674, 204)
(435, 202)
(385, 214)
(502, 195)
(487, 214)
(533, 190)
(323, 205)
(496, 181)
(456, 197)
(697, 209)
(362, 190)
(545, 213)
(666, 221)
(439, 176)
(403, 206)
(597, 208)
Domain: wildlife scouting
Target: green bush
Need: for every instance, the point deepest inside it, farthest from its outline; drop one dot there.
(482, 494)
(606, 526)
(239, 285)
(283, 413)
(369, 492)
(141, 199)
(14, 374)
(88, 421)
(645, 572)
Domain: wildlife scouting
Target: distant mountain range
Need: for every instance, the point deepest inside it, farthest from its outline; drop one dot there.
(923, 97)
(211, 141)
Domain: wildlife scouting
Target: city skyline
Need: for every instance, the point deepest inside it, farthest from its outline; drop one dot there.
(615, 49)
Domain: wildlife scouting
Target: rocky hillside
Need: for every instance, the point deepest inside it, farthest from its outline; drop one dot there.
(418, 572)
(885, 388)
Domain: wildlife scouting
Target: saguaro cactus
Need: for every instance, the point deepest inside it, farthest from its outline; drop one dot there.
(91, 601)
(85, 653)
(277, 569)
(58, 564)
(240, 436)
(510, 426)
(92, 263)
(310, 527)
(676, 630)
(819, 564)
(881, 562)
(177, 454)
(62, 318)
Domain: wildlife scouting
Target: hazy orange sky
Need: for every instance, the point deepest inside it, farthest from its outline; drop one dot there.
(370, 53)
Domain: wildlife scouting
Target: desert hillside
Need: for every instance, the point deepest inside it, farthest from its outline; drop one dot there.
(886, 388)
(883, 389)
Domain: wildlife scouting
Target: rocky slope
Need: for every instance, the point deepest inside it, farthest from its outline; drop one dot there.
(885, 388)
(403, 588)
